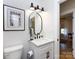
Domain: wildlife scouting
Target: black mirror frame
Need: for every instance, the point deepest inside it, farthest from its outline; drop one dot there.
(30, 21)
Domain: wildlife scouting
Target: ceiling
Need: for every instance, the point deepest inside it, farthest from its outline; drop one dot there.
(62, 1)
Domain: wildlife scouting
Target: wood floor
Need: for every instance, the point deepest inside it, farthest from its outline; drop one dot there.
(66, 55)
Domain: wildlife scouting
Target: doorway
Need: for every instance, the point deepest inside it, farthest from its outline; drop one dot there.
(66, 36)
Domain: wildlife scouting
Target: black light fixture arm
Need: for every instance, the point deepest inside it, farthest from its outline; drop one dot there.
(31, 5)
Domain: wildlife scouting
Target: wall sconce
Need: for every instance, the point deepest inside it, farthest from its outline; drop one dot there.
(37, 9)
(37, 6)
(42, 9)
(32, 7)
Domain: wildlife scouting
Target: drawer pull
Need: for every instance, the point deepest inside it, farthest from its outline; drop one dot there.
(47, 54)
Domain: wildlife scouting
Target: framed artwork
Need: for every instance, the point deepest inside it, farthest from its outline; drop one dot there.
(14, 19)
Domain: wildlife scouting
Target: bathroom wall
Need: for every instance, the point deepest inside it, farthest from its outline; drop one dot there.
(50, 23)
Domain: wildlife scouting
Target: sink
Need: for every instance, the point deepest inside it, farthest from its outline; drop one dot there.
(39, 42)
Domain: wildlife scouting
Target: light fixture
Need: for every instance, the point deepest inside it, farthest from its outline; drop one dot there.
(42, 9)
(32, 7)
(37, 6)
(37, 9)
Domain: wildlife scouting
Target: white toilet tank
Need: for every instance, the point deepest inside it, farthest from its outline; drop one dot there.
(13, 52)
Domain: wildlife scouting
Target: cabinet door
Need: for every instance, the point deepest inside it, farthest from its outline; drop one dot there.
(46, 53)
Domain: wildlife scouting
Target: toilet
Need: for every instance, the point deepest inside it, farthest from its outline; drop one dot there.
(13, 52)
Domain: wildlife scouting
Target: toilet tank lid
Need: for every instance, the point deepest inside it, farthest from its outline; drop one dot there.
(13, 48)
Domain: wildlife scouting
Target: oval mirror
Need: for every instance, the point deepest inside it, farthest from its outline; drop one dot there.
(35, 23)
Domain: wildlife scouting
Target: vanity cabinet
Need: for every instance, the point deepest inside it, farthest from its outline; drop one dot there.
(44, 51)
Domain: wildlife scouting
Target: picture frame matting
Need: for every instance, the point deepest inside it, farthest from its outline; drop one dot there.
(13, 18)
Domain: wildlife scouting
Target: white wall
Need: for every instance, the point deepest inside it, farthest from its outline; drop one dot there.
(50, 23)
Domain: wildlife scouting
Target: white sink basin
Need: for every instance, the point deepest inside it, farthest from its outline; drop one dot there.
(39, 42)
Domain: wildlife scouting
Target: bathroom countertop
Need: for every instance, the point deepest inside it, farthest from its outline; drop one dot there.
(39, 42)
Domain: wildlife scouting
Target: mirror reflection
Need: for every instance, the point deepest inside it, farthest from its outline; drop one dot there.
(35, 24)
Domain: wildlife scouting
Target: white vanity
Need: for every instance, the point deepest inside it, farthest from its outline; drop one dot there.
(42, 48)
